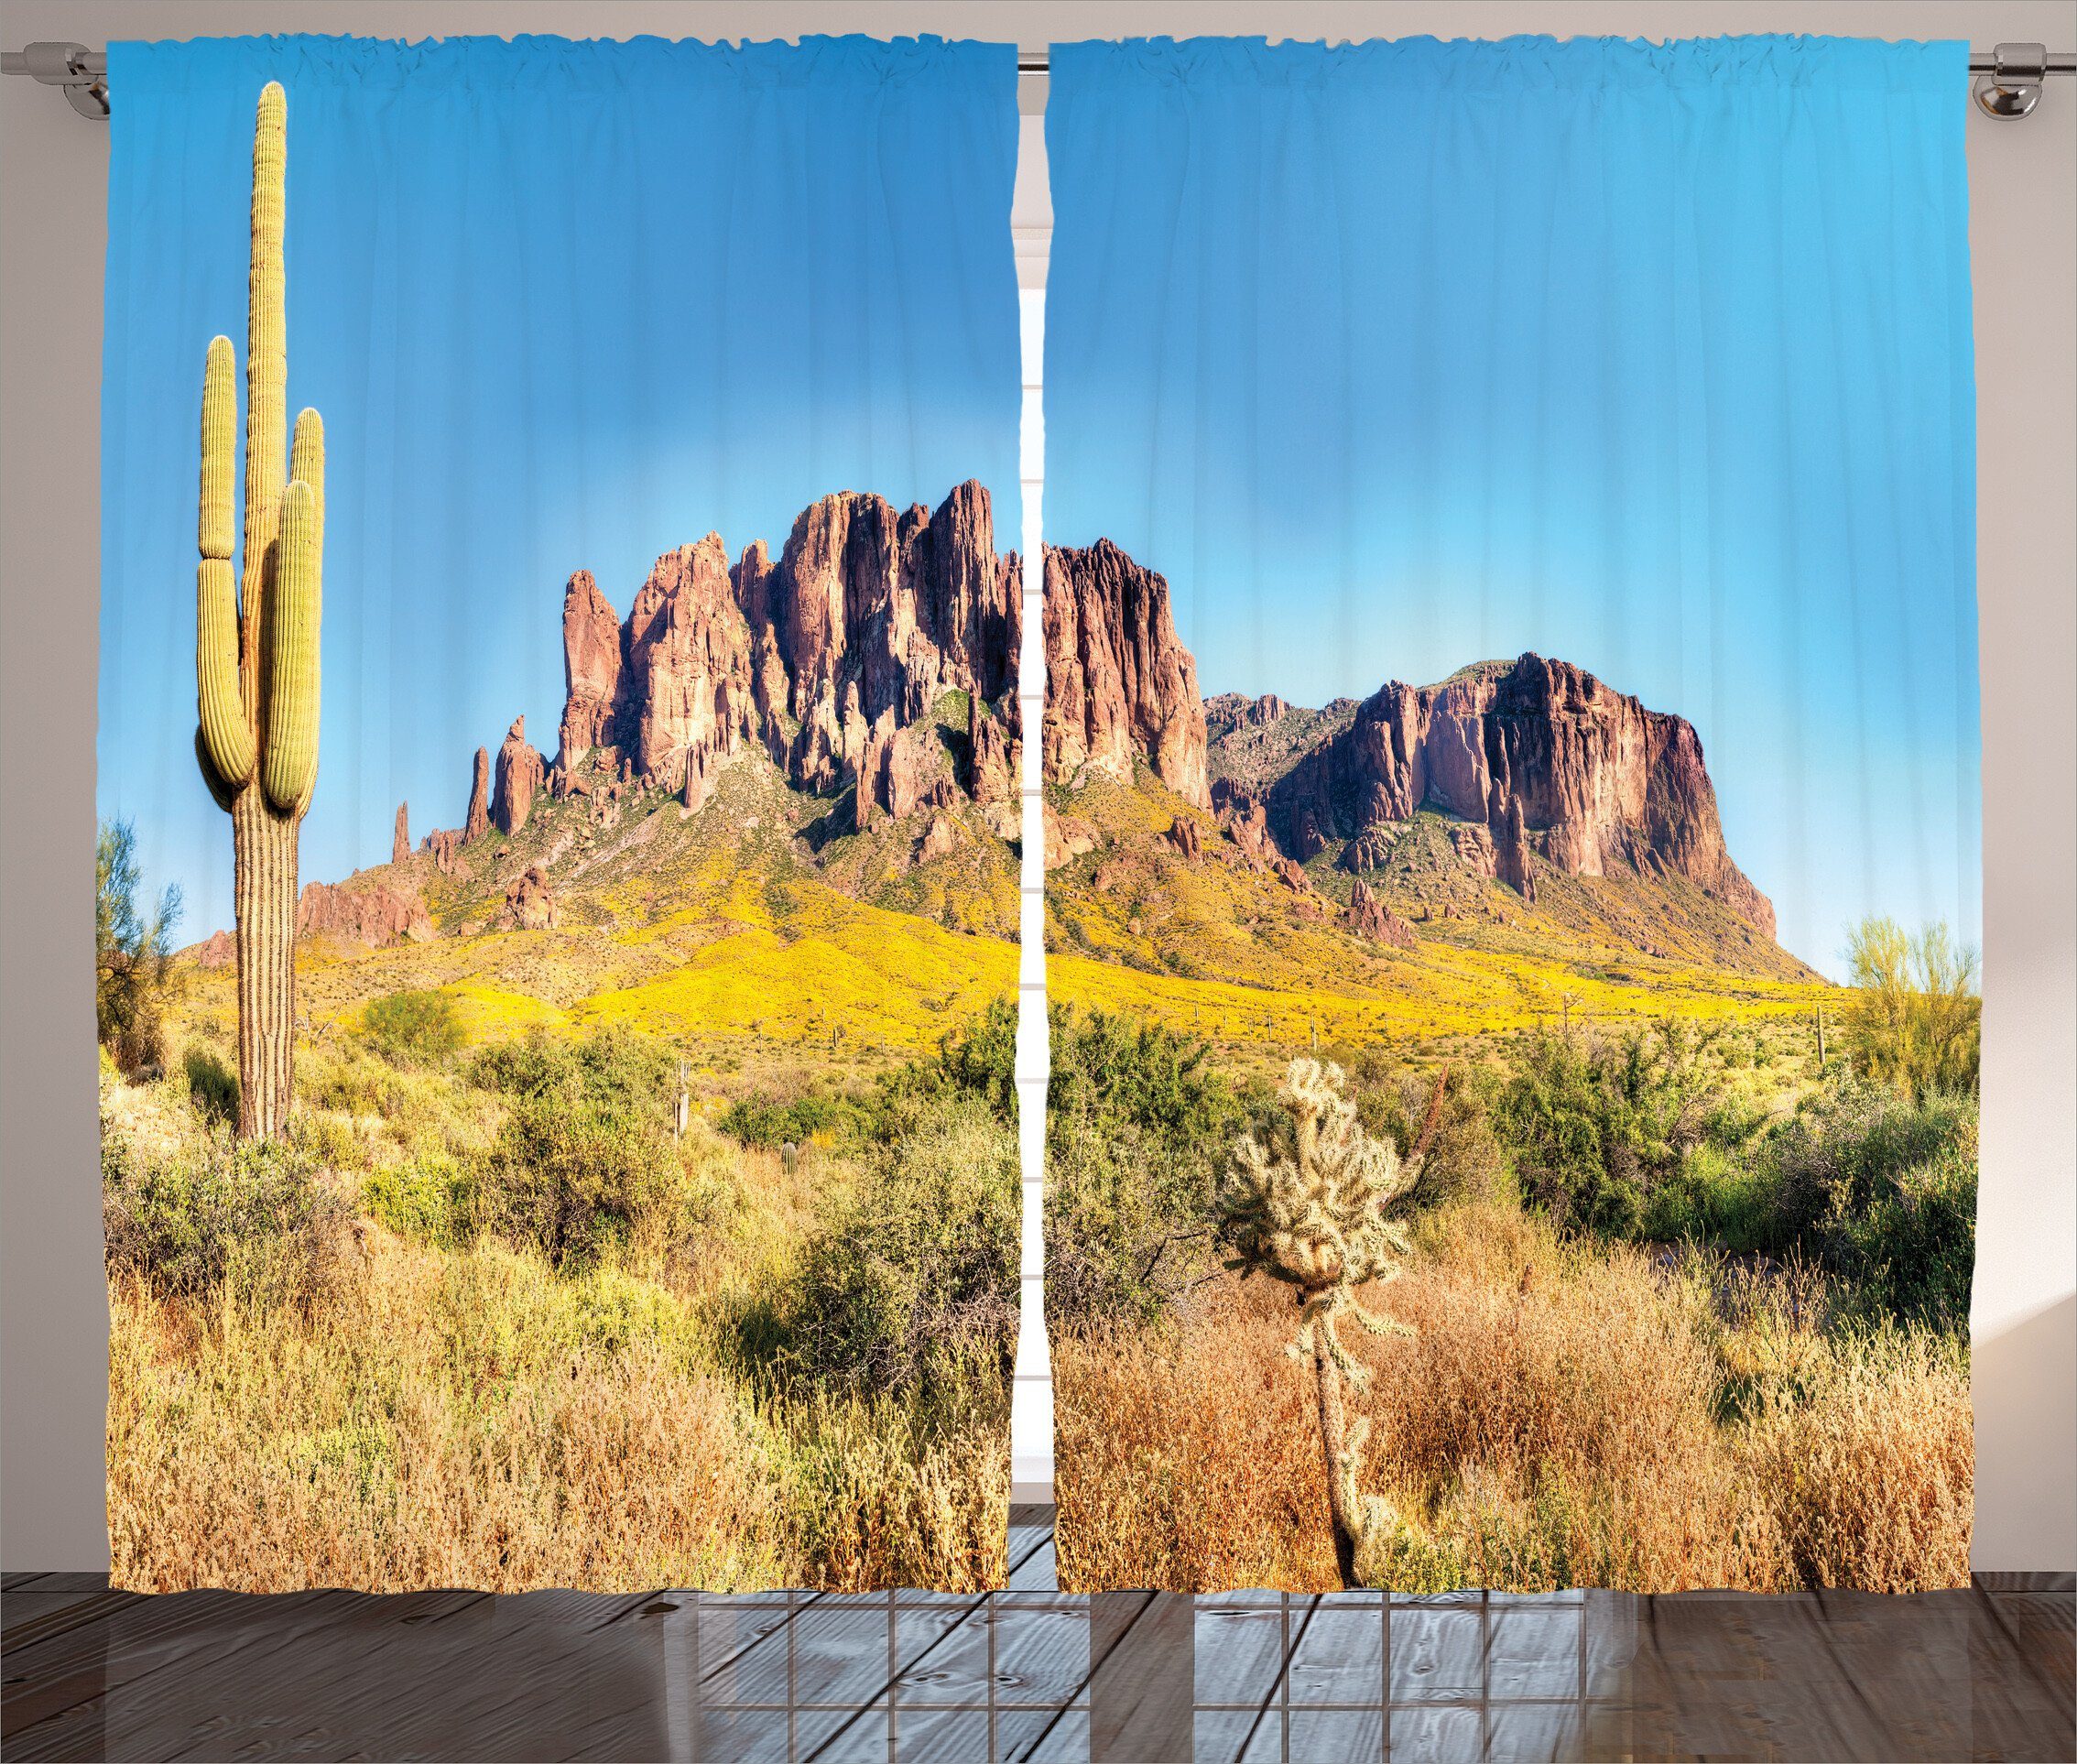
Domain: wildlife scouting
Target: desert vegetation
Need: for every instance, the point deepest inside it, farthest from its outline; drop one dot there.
(1675, 1312)
(483, 1315)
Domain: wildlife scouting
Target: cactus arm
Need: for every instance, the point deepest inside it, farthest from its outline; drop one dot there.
(288, 766)
(266, 374)
(221, 793)
(225, 735)
(306, 465)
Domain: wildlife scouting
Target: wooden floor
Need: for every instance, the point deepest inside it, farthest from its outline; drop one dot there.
(1030, 1673)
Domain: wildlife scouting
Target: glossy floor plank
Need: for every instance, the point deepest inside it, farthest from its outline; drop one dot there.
(1031, 1674)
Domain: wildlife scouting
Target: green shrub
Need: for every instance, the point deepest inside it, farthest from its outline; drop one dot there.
(768, 1122)
(432, 1199)
(1915, 1023)
(256, 1214)
(1464, 1160)
(212, 1085)
(570, 1174)
(620, 1068)
(1884, 1189)
(1137, 1128)
(913, 1275)
(1594, 1122)
(134, 979)
(1722, 1197)
(414, 1028)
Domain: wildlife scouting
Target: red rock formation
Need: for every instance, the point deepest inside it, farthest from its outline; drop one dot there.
(445, 844)
(687, 679)
(1184, 836)
(1066, 838)
(1119, 681)
(1370, 917)
(360, 911)
(940, 837)
(1237, 711)
(1598, 782)
(520, 773)
(478, 822)
(868, 616)
(591, 672)
(991, 754)
(219, 949)
(530, 903)
(400, 840)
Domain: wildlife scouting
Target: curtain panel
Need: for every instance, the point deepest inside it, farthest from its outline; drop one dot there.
(557, 1116)
(1512, 842)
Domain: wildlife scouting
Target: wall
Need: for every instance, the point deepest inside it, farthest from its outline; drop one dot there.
(53, 1325)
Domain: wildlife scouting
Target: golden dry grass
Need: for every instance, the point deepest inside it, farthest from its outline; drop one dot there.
(472, 1420)
(1559, 1418)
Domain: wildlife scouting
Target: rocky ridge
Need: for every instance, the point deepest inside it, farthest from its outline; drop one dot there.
(1532, 764)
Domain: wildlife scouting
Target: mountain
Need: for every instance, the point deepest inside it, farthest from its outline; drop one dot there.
(1528, 780)
(783, 802)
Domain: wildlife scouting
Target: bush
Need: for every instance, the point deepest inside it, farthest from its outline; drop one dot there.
(1464, 1160)
(1884, 1191)
(1594, 1122)
(255, 1215)
(433, 1198)
(1137, 1129)
(213, 1085)
(134, 976)
(570, 1174)
(620, 1068)
(414, 1028)
(912, 1279)
(768, 1122)
(1915, 1023)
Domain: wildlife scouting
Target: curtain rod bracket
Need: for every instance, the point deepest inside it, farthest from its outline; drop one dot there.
(2011, 86)
(80, 73)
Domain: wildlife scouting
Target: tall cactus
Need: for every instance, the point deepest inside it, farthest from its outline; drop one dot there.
(256, 647)
(1304, 1201)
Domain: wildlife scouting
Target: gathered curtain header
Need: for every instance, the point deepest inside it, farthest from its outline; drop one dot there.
(560, 65)
(1514, 63)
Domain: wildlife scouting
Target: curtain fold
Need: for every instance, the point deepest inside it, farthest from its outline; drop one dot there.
(1512, 750)
(617, 1190)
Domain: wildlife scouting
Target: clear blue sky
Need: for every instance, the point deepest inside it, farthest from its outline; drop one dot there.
(562, 306)
(1655, 360)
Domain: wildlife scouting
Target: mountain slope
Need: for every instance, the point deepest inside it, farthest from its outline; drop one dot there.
(1472, 853)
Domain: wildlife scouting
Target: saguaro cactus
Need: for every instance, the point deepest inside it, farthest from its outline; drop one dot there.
(256, 647)
(1303, 1202)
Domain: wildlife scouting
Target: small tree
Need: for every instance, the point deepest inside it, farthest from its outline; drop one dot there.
(133, 953)
(1916, 1022)
(1303, 1201)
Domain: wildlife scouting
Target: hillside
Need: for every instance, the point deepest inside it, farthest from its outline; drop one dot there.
(778, 816)
(1517, 841)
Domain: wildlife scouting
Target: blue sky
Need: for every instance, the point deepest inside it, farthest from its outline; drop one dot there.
(562, 306)
(1389, 371)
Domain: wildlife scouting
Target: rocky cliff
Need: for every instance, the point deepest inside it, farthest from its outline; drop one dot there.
(1118, 681)
(1546, 757)
(823, 658)
(1533, 761)
(819, 658)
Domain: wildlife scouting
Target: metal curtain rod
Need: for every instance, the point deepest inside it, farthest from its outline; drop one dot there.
(2008, 77)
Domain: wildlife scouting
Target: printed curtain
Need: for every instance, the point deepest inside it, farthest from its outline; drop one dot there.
(1511, 845)
(558, 895)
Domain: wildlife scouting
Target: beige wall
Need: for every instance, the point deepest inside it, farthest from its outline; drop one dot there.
(53, 1325)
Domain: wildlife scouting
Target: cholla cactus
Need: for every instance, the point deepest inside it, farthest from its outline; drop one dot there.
(256, 641)
(1304, 1203)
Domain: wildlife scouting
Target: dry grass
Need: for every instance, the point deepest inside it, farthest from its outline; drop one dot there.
(473, 1420)
(1561, 1418)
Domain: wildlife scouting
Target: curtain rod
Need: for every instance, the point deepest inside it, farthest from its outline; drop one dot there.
(2008, 77)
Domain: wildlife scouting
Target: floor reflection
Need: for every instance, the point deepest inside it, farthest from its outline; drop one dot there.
(1030, 1673)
